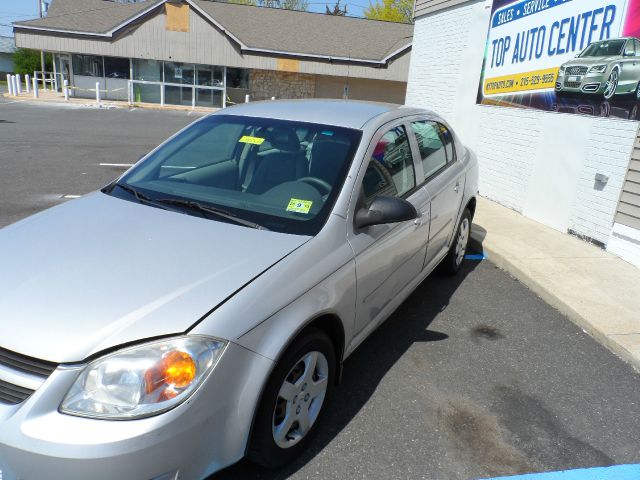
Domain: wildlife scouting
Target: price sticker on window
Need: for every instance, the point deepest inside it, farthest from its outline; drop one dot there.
(252, 140)
(299, 206)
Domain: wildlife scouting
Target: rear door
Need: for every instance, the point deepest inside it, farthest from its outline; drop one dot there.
(444, 182)
(629, 74)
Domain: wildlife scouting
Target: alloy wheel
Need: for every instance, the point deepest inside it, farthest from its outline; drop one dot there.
(463, 238)
(611, 85)
(300, 399)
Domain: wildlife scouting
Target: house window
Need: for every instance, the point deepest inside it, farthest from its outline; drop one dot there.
(147, 70)
(116, 68)
(209, 76)
(237, 78)
(180, 73)
(87, 66)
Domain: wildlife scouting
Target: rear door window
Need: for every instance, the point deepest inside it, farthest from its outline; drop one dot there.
(433, 152)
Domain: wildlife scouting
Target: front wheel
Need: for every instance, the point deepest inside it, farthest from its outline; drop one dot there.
(458, 249)
(293, 401)
(611, 85)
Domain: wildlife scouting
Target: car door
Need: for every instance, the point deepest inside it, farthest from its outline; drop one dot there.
(444, 183)
(630, 68)
(388, 257)
(635, 78)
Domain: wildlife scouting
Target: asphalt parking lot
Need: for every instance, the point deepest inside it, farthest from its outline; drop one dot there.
(473, 377)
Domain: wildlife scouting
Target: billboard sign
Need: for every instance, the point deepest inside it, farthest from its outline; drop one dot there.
(564, 55)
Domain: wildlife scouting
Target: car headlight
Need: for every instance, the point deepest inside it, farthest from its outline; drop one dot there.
(143, 380)
(562, 69)
(598, 69)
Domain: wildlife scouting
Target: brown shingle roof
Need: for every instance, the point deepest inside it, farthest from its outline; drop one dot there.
(256, 28)
(309, 33)
(88, 16)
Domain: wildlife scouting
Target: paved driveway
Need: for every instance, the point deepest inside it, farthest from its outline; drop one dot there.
(474, 376)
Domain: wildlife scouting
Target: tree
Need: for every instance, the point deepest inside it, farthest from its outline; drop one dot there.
(400, 11)
(336, 11)
(27, 61)
(301, 5)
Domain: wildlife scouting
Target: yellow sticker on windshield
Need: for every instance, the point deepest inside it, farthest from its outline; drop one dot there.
(252, 140)
(299, 206)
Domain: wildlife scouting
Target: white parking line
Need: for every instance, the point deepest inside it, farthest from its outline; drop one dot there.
(70, 197)
(120, 165)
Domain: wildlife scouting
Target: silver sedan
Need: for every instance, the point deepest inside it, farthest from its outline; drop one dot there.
(198, 309)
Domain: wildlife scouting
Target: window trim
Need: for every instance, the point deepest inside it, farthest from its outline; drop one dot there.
(630, 42)
(375, 138)
(418, 155)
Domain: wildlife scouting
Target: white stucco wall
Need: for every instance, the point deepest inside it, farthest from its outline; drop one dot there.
(540, 164)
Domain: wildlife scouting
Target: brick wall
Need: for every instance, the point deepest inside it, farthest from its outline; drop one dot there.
(265, 84)
(539, 163)
(505, 166)
(608, 153)
(436, 69)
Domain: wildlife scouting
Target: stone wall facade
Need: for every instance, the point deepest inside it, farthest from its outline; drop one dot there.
(265, 84)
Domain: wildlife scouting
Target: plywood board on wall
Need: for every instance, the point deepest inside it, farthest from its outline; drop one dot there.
(177, 17)
(288, 65)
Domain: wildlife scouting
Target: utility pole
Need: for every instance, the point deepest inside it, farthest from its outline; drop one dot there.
(42, 66)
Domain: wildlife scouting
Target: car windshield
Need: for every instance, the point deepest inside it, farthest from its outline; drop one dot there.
(279, 175)
(604, 49)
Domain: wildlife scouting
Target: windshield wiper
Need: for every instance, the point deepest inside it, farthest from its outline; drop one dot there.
(141, 197)
(193, 205)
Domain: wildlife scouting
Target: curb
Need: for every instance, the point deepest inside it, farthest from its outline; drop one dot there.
(504, 263)
(107, 104)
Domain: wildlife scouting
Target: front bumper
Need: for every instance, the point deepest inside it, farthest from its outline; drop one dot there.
(588, 83)
(199, 437)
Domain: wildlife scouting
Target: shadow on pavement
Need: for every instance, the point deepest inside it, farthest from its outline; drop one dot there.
(368, 365)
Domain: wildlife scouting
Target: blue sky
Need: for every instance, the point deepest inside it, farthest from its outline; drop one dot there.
(15, 10)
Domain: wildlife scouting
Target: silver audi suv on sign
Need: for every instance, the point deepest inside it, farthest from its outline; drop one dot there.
(605, 68)
(198, 309)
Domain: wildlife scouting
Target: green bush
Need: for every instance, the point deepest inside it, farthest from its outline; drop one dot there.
(27, 61)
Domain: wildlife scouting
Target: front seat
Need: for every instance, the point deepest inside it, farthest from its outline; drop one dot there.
(327, 158)
(285, 164)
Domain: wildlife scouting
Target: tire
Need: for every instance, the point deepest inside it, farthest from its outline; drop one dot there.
(612, 84)
(279, 434)
(453, 261)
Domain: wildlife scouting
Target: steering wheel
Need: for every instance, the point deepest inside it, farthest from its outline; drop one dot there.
(318, 183)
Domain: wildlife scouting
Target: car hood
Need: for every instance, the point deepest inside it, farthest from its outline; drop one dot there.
(591, 61)
(99, 272)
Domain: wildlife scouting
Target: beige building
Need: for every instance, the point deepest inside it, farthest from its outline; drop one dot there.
(206, 53)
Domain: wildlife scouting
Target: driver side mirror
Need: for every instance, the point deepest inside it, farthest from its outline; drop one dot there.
(385, 210)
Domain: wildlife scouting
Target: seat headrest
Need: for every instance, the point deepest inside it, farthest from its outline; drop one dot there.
(284, 139)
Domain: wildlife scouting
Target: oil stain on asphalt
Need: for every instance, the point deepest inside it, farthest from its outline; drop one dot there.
(478, 436)
(486, 332)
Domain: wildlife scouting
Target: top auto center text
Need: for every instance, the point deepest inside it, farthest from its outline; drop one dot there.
(566, 35)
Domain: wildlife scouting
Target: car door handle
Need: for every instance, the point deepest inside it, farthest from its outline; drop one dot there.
(457, 187)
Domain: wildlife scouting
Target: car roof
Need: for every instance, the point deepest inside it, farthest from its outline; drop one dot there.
(617, 38)
(339, 113)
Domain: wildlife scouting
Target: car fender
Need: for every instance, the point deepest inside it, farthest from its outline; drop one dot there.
(333, 297)
(317, 278)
